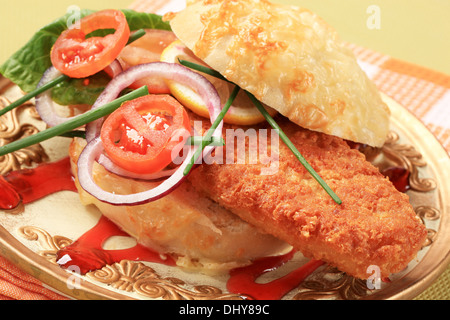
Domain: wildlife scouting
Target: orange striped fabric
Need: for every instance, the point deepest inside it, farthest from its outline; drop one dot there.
(426, 93)
(18, 285)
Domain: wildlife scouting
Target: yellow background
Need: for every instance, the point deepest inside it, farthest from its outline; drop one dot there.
(417, 31)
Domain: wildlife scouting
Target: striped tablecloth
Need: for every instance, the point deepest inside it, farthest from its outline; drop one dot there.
(424, 92)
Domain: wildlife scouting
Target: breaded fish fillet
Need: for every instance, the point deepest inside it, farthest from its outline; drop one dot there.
(374, 225)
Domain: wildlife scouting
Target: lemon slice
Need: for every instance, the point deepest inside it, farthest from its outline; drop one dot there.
(242, 112)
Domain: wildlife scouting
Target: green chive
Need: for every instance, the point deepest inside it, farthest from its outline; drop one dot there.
(294, 150)
(74, 133)
(201, 68)
(33, 93)
(211, 130)
(73, 123)
(275, 126)
(213, 141)
(138, 34)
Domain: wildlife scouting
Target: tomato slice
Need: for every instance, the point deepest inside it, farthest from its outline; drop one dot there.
(78, 57)
(146, 49)
(141, 135)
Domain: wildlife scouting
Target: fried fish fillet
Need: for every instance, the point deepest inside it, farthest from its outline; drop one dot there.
(374, 226)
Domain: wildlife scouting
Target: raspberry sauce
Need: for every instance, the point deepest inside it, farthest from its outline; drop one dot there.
(28, 185)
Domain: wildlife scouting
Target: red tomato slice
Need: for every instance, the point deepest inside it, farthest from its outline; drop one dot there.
(144, 50)
(141, 135)
(78, 57)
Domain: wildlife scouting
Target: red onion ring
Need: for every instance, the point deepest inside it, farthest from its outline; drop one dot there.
(168, 71)
(113, 168)
(44, 102)
(94, 149)
(114, 68)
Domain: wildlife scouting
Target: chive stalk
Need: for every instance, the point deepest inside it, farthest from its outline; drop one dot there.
(213, 141)
(74, 134)
(73, 123)
(211, 130)
(33, 93)
(138, 34)
(275, 126)
(294, 150)
(201, 68)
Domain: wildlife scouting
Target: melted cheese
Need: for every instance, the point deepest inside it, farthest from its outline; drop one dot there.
(291, 60)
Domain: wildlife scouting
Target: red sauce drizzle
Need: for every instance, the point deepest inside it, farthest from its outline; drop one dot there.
(399, 177)
(9, 198)
(243, 280)
(87, 252)
(29, 185)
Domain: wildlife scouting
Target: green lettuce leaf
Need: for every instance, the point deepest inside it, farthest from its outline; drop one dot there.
(26, 67)
(80, 91)
(141, 20)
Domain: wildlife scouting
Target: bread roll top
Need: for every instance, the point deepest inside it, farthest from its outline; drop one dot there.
(291, 60)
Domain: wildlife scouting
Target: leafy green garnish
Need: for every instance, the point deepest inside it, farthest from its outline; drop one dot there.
(142, 20)
(26, 67)
(80, 91)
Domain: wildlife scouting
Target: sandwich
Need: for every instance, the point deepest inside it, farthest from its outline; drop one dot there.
(230, 210)
(230, 213)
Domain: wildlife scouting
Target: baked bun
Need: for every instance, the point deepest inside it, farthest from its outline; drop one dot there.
(199, 234)
(291, 60)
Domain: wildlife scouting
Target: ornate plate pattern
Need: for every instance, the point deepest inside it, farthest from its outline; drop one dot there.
(31, 235)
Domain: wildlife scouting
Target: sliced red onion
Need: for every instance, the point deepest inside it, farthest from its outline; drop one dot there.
(94, 149)
(114, 68)
(164, 70)
(44, 102)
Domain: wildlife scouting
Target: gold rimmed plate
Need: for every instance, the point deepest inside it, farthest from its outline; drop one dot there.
(31, 237)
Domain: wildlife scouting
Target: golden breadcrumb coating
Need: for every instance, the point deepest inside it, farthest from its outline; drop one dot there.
(374, 225)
